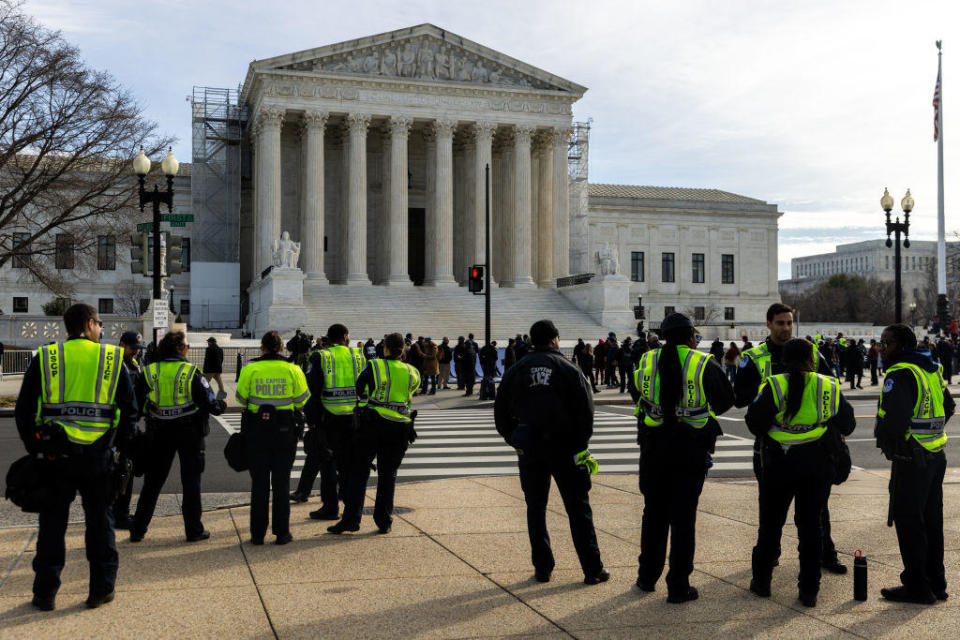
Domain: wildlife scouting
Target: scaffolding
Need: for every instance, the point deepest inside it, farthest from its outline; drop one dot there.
(578, 151)
(217, 120)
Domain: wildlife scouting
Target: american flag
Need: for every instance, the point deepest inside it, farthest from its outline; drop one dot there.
(936, 107)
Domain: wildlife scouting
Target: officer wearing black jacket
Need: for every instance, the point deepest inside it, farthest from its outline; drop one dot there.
(768, 356)
(914, 408)
(86, 467)
(544, 410)
(132, 343)
(176, 425)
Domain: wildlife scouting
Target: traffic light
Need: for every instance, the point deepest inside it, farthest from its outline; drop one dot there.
(139, 243)
(174, 254)
(475, 284)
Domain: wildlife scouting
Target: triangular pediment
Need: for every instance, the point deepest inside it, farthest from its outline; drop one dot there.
(421, 53)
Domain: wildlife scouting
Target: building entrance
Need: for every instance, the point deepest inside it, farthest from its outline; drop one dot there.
(416, 245)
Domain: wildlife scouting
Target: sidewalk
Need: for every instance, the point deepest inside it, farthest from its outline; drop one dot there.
(457, 566)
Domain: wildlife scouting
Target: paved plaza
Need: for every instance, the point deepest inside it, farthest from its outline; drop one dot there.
(456, 565)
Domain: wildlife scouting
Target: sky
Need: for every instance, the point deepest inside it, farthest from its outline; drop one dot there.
(813, 106)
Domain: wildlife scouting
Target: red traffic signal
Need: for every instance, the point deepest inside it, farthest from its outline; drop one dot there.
(475, 282)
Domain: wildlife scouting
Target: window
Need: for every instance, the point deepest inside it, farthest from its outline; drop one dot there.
(185, 259)
(699, 314)
(666, 268)
(63, 257)
(726, 268)
(185, 307)
(698, 268)
(105, 306)
(729, 313)
(106, 253)
(20, 305)
(21, 246)
(668, 310)
(636, 266)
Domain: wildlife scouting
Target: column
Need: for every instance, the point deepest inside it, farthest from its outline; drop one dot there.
(399, 207)
(522, 214)
(546, 276)
(356, 222)
(482, 157)
(561, 203)
(269, 121)
(440, 234)
(312, 192)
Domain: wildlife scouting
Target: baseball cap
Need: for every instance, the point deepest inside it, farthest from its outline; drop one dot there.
(211, 339)
(675, 321)
(132, 339)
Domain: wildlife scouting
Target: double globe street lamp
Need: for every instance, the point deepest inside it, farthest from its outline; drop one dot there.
(170, 167)
(896, 228)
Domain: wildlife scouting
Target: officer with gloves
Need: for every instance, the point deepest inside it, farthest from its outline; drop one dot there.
(177, 401)
(914, 408)
(544, 410)
(386, 388)
(76, 403)
(680, 391)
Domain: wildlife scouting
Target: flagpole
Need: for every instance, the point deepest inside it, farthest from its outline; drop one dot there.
(942, 304)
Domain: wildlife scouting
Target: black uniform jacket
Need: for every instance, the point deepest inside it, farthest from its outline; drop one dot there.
(762, 412)
(544, 405)
(746, 384)
(200, 391)
(719, 394)
(899, 397)
(25, 412)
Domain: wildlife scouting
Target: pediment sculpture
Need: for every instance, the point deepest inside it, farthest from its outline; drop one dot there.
(425, 58)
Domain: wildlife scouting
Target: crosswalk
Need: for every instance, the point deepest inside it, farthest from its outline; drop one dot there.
(455, 443)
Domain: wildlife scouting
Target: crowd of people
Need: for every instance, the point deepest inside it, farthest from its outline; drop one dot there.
(81, 402)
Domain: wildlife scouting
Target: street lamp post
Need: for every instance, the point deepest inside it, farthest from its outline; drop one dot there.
(896, 228)
(170, 166)
(913, 314)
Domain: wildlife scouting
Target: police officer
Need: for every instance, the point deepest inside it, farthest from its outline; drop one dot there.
(759, 363)
(914, 408)
(386, 387)
(271, 391)
(544, 410)
(332, 379)
(132, 343)
(319, 458)
(176, 399)
(679, 392)
(78, 393)
(790, 417)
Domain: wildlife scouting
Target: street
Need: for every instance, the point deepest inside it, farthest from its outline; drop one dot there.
(463, 443)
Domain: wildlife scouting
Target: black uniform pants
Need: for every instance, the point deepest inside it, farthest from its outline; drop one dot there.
(121, 506)
(801, 475)
(167, 441)
(387, 442)
(573, 482)
(88, 475)
(918, 518)
(314, 465)
(271, 454)
(671, 480)
(338, 430)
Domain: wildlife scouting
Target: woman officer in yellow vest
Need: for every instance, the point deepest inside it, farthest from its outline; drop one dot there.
(790, 416)
(271, 390)
(386, 388)
(176, 399)
(680, 391)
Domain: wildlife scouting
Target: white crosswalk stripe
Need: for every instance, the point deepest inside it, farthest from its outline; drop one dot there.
(463, 442)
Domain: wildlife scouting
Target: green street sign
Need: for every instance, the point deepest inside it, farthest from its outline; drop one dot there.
(145, 226)
(177, 218)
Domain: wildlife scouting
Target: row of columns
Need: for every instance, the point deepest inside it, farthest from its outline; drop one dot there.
(545, 227)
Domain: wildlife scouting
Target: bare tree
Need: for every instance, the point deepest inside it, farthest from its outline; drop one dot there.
(127, 297)
(67, 135)
(712, 314)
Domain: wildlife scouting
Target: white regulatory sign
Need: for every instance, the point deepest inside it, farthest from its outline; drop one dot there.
(161, 317)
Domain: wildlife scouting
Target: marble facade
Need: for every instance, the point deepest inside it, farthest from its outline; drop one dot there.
(356, 146)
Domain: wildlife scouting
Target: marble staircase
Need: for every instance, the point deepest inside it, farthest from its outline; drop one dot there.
(441, 311)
